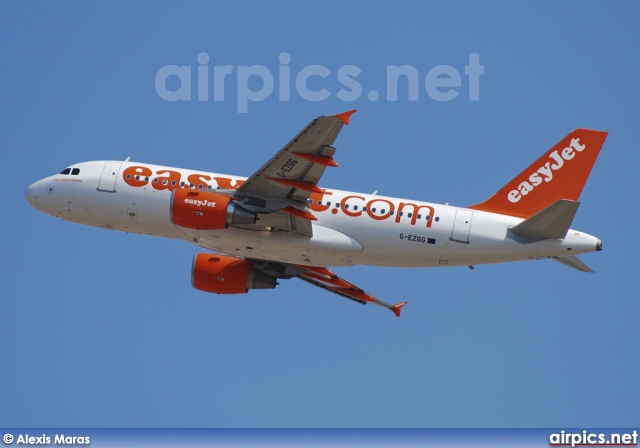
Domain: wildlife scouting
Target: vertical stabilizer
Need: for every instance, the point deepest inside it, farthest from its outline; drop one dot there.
(560, 173)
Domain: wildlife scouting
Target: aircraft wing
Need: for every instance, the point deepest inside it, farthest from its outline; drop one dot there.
(285, 183)
(325, 279)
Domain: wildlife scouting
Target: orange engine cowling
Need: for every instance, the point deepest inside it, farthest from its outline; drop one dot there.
(206, 210)
(226, 275)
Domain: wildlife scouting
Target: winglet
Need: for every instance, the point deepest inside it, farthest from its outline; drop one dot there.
(345, 116)
(397, 307)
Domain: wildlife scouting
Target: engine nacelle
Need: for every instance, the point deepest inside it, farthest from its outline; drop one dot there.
(206, 210)
(220, 274)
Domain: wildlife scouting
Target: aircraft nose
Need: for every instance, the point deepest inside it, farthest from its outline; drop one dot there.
(31, 194)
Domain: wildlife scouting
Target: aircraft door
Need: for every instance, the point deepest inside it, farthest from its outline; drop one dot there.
(109, 177)
(462, 226)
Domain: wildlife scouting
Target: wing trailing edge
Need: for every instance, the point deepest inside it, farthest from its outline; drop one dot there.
(325, 279)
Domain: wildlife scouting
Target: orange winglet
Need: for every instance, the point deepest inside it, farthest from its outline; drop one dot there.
(299, 213)
(315, 158)
(306, 186)
(335, 280)
(345, 116)
(397, 307)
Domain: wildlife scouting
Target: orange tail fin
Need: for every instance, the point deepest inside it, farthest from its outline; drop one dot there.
(559, 174)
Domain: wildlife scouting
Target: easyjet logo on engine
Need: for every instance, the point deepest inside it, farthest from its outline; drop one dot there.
(199, 203)
(545, 172)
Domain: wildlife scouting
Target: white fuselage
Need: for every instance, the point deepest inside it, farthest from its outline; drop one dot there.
(351, 228)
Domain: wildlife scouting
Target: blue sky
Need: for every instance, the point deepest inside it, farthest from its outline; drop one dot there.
(102, 329)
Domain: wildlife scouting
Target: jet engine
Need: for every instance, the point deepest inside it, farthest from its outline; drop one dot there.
(206, 210)
(220, 274)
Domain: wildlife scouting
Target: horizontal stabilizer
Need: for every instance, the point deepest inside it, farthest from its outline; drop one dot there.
(551, 222)
(573, 262)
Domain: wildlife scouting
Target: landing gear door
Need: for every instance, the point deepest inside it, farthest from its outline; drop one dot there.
(109, 177)
(462, 226)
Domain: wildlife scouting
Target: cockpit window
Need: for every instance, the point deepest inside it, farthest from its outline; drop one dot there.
(65, 171)
(75, 171)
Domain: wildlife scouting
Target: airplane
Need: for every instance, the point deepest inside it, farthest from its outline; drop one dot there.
(279, 223)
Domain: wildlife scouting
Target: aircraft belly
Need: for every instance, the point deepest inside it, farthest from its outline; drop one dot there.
(327, 247)
(397, 244)
(328, 244)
